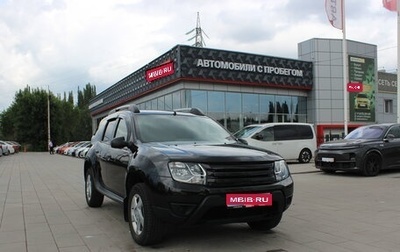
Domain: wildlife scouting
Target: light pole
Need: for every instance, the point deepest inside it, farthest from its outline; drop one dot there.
(48, 117)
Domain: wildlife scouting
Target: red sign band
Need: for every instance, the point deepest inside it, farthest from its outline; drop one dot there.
(160, 72)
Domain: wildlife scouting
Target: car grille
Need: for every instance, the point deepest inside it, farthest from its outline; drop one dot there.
(242, 174)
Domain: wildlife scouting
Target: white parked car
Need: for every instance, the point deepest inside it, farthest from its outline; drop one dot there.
(293, 141)
(7, 148)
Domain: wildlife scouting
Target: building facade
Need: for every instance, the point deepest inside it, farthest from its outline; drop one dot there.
(238, 89)
(234, 88)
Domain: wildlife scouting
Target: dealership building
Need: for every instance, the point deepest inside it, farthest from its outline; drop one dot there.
(241, 88)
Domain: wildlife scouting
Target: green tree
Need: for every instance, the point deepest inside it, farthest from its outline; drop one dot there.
(25, 120)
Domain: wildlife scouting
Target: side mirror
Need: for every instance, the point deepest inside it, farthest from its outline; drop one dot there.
(120, 143)
(389, 137)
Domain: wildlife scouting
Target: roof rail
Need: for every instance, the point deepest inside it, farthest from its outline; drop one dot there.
(194, 111)
(131, 107)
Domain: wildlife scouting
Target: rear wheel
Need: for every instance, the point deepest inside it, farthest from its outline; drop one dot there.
(265, 225)
(305, 156)
(93, 197)
(372, 164)
(145, 228)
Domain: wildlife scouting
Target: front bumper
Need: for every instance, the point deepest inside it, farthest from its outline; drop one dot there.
(209, 207)
(338, 160)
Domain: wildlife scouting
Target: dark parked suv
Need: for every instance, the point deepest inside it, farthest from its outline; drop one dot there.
(182, 168)
(367, 149)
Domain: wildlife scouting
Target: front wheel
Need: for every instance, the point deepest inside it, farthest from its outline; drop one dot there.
(265, 225)
(372, 165)
(93, 197)
(305, 156)
(145, 228)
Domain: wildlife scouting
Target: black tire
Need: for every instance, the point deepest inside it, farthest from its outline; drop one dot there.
(265, 225)
(145, 228)
(305, 156)
(372, 164)
(93, 197)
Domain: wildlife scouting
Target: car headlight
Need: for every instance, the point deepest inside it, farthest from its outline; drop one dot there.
(191, 173)
(281, 170)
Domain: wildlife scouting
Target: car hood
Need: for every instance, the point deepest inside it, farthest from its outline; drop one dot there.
(216, 153)
(345, 143)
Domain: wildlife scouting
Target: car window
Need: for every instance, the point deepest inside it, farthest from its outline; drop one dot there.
(395, 131)
(267, 134)
(109, 132)
(373, 132)
(99, 132)
(247, 131)
(122, 130)
(180, 128)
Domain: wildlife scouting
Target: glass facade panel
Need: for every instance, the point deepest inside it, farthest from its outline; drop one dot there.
(267, 108)
(283, 104)
(160, 103)
(251, 109)
(154, 104)
(168, 102)
(216, 101)
(176, 100)
(148, 105)
(233, 122)
(197, 99)
(235, 110)
(233, 102)
(300, 113)
(218, 116)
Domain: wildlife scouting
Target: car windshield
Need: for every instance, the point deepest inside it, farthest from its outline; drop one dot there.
(247, 131)
(372, 132)
(180, 128)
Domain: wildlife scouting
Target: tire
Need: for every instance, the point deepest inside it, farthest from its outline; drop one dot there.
(145, 228)
(305, 156)
(93, 197)
(265, 225)
(372, 164)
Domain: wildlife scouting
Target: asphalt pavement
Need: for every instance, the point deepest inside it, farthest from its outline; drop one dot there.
(43, 208)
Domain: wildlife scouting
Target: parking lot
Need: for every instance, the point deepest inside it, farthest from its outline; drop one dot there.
(43, 208)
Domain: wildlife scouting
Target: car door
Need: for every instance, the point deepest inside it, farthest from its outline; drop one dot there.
(264, 139)
(118, 160)
(103, 152)
(391, 148)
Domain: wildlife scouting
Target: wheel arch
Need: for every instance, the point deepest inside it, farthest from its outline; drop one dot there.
(367, 171)
(133, 177)
(374, 151)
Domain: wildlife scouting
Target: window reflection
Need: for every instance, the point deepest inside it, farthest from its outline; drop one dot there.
(251, 111)
(236, 110)
(283, 104)
(160, 103)
(168, 102)
(176, 100)
(197, 99)
(216, 101)
(267, 108)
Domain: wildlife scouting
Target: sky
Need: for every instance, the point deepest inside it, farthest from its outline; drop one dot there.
(62, 45)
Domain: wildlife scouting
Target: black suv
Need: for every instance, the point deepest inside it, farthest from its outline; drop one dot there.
(182, 168)
(367, 150)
